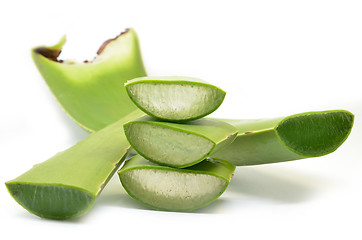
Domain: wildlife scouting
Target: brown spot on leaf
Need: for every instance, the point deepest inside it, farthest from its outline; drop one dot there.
(51, 54)
(103, 46)
(247, 132)
(102, 186)
(229, 136)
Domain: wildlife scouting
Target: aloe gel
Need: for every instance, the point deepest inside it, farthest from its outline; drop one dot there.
(173, 189)
(298, 136)
(174, 98)
(175, 144)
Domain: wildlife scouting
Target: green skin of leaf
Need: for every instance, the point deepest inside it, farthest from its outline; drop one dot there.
(206, 107)
(92, 93)
(215, 167)
(66, 185)
(299, 136)
(219, 133)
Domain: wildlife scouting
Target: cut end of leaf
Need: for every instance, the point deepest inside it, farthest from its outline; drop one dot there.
(51, 201)
(167, 146)
(315, 133)
(176, 99)
(171, 189)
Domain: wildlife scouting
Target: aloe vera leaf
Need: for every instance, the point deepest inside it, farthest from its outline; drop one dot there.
(173, 189)
(174, 98)
(176, 144)
(92, 92)
(66, 185)
(298, 136)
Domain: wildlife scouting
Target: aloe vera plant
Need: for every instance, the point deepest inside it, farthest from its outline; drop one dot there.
(92, 92)
(174, 98)
(298, 136)
(175, 144)
(174, 189)
(66, 185)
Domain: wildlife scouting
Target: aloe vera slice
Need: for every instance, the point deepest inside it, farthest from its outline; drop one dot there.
(175, 144)
(66, 185)
(92, 92)
(174, 189)
(299, 136)
(174, 98)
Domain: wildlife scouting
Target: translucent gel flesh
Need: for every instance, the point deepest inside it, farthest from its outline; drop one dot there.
(166, 145)
(172, 190)
(176, 101)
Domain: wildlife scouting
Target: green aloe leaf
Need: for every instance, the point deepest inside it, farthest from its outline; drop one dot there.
(174, 189)
(174, 99)
(299, 136)
(66, 185)
(92, 92)
(176, 144)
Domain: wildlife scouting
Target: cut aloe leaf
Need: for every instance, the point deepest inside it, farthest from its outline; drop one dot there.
(304, 135)
(174, 189)
(92, 92)
(175, 144)
(174, 99)
(66, 185)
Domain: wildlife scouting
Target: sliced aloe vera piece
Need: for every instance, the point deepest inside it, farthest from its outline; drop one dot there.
(174, 189)
(175, 144)
(66, 185)
(174, 98)
(91, 92)
(299, 136)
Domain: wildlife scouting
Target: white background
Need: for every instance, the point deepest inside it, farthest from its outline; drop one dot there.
(274, 58)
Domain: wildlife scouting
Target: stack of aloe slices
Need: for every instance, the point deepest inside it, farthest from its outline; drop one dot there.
(184, 161)
(174, 170)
